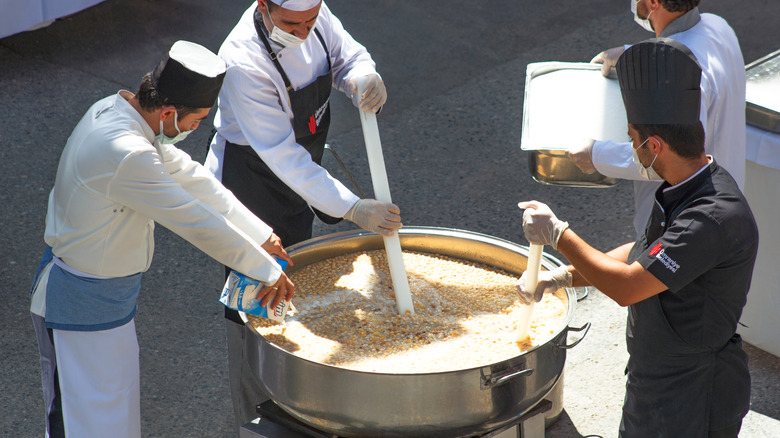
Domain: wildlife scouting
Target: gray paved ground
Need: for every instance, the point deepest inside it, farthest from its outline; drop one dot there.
(455, 72)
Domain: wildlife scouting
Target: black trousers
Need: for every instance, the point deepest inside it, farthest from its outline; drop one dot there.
(727, 432)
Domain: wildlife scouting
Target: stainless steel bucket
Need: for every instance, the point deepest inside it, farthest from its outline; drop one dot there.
(451, 404)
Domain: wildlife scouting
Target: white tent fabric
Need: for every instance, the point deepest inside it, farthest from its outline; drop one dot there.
(21, 15)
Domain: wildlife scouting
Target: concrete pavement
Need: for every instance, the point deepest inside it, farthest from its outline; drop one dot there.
(451, 128)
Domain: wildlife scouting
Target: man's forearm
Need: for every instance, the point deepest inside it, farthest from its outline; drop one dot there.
(620, 253)
(608, 272)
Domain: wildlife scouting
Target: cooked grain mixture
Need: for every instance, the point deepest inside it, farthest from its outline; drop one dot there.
(465, 315)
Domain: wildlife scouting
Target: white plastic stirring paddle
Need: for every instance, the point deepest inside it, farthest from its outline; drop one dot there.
(531, 279)
(376, 163)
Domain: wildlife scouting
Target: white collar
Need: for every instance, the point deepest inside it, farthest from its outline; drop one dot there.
(124, 106)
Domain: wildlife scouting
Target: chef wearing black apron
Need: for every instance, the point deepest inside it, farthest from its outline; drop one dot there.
(249, 176)
(256, 185)
(686, 279)
(283, 58)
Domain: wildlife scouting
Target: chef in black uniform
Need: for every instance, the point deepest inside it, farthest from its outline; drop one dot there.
(685, 281)
(283, 59)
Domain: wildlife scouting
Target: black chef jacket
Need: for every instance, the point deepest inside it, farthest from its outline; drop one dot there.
(687, 372)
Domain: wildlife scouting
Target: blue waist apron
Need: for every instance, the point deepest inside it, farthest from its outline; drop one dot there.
(87, 304)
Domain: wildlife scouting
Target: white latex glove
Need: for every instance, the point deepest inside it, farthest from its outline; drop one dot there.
(582, 155)
(548, 282)
(374, 93)
(372, 215)
(608, 59)
(540, 224)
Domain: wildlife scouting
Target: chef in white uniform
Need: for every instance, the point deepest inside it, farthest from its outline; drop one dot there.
(283, 59)
(715, 45)
(119, 173)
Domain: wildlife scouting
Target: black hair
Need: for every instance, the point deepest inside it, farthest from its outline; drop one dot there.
(679, 5)
(686, 141)
(150, 99)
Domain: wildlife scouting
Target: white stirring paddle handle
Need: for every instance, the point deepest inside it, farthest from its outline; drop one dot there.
(533, 266)
(376, 164)
(531, 279)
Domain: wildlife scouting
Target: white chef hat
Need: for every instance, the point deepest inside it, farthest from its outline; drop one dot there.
(297, 5)
(190, 75)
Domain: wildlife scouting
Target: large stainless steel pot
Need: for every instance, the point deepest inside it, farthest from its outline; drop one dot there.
(447, 404)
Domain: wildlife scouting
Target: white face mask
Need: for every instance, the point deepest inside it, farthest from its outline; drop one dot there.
(284, 38)
(648, 172)
(164, 139)
(644, 22)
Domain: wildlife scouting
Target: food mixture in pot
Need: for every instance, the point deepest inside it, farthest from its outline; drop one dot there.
(466, 315)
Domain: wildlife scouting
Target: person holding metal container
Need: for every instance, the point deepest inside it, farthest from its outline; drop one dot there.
(119, 173)
(685, 280)
(283, 58)
(715, 45)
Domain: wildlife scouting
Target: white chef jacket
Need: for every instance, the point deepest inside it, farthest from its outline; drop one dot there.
(254, 107)
(114, 181)
(715, 46)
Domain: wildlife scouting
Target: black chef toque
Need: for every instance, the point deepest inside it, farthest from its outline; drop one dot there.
(660, 82)
(190, 75)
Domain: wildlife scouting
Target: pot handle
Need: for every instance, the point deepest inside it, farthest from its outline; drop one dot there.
(493, 380)
(568, 329)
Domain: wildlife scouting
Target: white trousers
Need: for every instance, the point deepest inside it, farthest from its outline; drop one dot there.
(99, 382)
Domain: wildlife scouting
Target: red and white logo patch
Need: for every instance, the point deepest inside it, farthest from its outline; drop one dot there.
(316, 118)
(659, 253)
(312, 124)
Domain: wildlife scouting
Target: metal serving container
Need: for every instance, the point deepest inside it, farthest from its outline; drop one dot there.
(554, 167)
(763, 93)
(564, 103)
(450, 404)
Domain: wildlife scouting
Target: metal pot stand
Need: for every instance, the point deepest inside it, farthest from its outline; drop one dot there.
(273, 422)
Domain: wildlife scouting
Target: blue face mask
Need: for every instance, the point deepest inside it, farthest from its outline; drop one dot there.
(164, 139)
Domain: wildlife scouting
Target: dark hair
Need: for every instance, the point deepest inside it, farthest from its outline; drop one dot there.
(679, 5)
(150, 99)
(686, 141)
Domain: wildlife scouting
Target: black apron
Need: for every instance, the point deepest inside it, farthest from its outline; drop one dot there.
(255, 184)
(674, 388)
